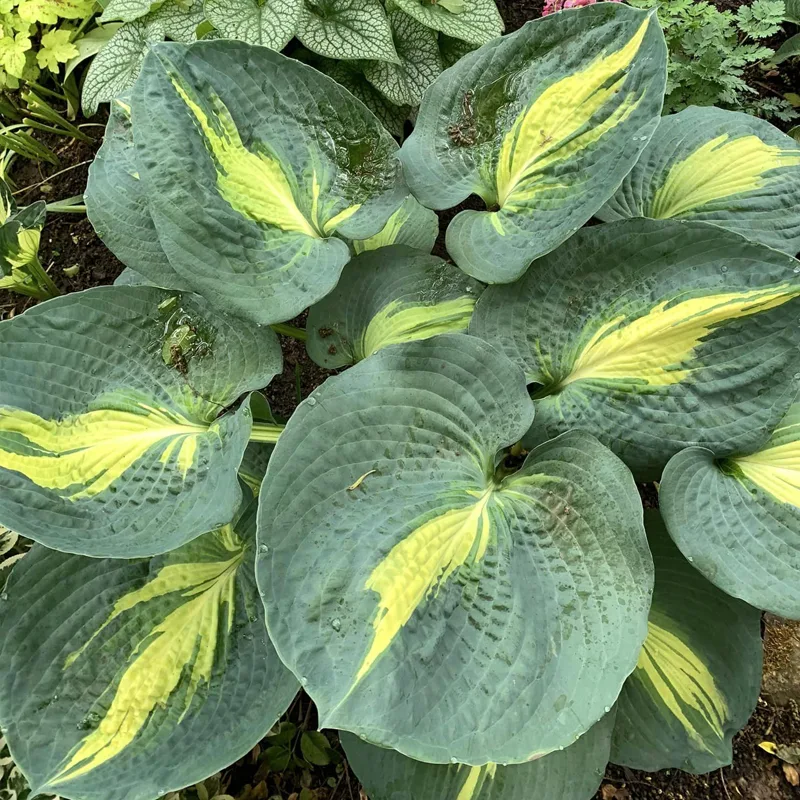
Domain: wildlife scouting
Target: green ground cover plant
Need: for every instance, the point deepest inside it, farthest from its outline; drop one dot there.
(444, 546)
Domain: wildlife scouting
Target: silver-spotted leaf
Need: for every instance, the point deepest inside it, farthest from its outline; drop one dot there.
(543, 125)
(654, 335)
(125, 10)
(699, 672)
(453, 50)
(412, 224)
(572, 774)
(114, 69)
(271, 23)
(113, 440)
(723, 167)
(126, 679)
(420, 63)
(246, 189)
(117, 205)
(430, 601)
(738, 518)
(347, 29)
(388, 296)
(474, 21)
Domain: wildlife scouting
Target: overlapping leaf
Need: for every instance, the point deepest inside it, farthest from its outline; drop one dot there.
(113, 440)
(724, 167)
(475, 21)
(738, 519)
(348, 29)
(543, 125)
(388, 296)
(699, 673)
(126, 679)
(573, 774)
(271, 23)
(429, 600)
(654, 336)
(247, 188)
(412, 224)
(117, 205)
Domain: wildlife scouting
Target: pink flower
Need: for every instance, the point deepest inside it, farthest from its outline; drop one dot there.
(551, 6)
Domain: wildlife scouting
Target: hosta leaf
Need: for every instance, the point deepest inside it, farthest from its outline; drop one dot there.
(112, 440)
(573, 774)
(699, 672)
(269, 22)
(420, 64)
(738, 518)
(117, 206)
(349, 75)
(475, 21)
(246, 189)
(732, 169)
(543, 125)
(431, 602)
(347, 29)
(412, 224)
(126, 679)
(654, 336)
(389, 296)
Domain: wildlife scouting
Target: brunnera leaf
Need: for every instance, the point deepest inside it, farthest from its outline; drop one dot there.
(271, 23)
(571, 774)
(420, 64)
(114, 435)
(347, 29)
(429, 601)
(474, 21)
(653, 336)
(699, 672)
(246, 188)
(126, 679)
(543, 125)
(718, 166)
(737, 519)
(388, 296)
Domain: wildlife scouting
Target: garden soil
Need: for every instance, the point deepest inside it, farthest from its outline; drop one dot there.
(69, 243)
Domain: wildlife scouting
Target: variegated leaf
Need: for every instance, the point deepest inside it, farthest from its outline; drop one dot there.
(543, 125)
(432, 599)
(724, 167)
(387, 296)
(572, 774)
(117, 205)
(654, 336)
(271, 23)
(246, 190)
(412, 225)
(126, 679)
(474, 21)
(347, 29)
(420, 62)
(737, 519)
(699, 672)
(114, 439)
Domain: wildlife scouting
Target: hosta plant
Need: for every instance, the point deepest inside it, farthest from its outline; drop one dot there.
(444, 545)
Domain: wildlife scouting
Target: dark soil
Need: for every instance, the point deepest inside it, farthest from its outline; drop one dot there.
(68, 241)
